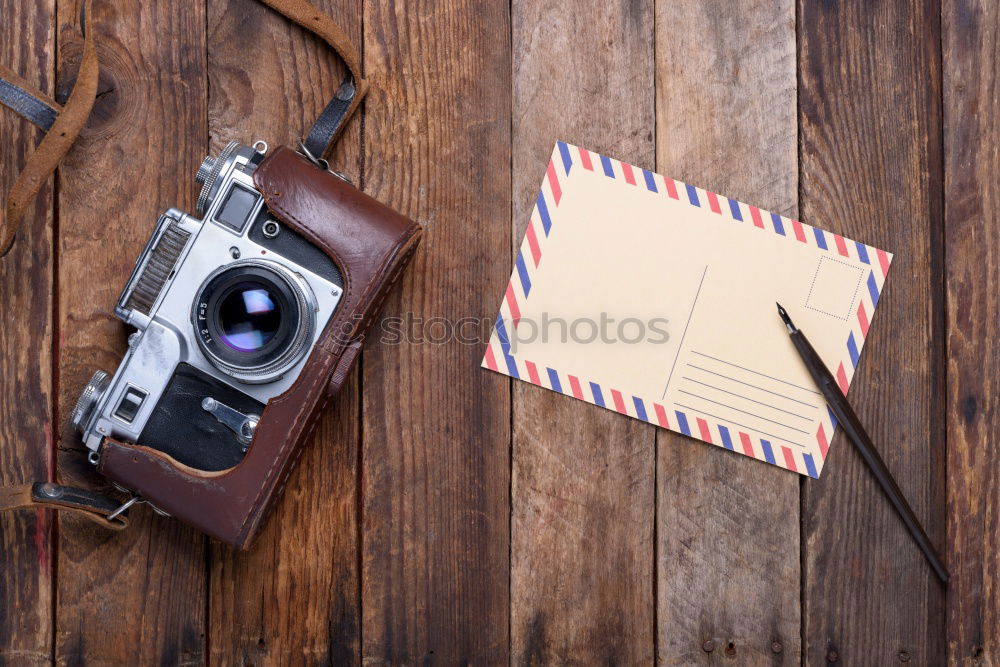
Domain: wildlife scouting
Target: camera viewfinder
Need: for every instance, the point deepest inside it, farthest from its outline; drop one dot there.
(236, 209)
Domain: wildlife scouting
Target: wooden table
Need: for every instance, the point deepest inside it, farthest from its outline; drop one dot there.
(446, 514)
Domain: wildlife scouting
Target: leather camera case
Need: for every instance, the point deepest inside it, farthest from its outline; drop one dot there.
(370, 244)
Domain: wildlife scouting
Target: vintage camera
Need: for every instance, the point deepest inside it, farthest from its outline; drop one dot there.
(227, 309)
(248, 323)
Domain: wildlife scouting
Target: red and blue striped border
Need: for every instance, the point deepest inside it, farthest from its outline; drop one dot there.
(498, 356)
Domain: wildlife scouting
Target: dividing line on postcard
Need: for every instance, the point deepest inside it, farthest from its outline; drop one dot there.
(680, 345)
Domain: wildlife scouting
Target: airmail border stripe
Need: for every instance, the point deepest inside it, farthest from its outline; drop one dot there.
(656, 413)
(653, 412)
(738, 211)
(535, 237)
(499, 356)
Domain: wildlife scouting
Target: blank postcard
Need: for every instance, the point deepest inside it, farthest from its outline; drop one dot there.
(654, 298)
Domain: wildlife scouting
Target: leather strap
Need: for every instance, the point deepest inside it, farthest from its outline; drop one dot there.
(353, 89)
(81, 502)
(330, 123)
(64, 124)
(16, 94)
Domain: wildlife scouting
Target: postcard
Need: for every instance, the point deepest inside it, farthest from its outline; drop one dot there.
(654, 298)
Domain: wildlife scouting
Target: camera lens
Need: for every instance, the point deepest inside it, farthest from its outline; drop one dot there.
(254, 319)
(249, 316)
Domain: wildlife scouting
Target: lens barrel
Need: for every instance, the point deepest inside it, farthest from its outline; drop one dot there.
(254, 319)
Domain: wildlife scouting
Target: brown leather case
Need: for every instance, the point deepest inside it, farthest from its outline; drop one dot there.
(371, 244)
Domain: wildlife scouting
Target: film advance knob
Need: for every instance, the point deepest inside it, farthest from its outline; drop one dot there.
(207, 165)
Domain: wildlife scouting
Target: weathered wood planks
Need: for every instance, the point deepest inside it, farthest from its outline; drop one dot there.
(27, 46)
(971, 53)
(435, 426)
(582, 501)
(293, 598)
(727, 527)
(392, 541)
(870, 118)
(137, 596)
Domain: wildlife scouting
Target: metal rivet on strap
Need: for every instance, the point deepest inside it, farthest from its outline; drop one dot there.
(50, 490)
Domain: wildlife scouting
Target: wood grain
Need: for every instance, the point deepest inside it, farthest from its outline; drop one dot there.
(582, 477)
(728, 527)
(27, 46)
(971, 45)
(436, 427)
(464, 518)
(870, 115)
(137, 596)
(273, 87)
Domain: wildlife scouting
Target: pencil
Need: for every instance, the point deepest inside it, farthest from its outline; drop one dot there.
(856, 433)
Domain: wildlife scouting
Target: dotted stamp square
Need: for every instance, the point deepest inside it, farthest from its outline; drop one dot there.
(834, 288)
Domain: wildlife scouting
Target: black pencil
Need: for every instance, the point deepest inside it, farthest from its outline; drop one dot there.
(856, 433)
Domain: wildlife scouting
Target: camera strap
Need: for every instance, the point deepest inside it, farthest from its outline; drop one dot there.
(328, 127)
(63, 123)
(100, 509)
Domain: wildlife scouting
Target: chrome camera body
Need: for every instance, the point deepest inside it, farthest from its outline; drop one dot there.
(226, 310)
